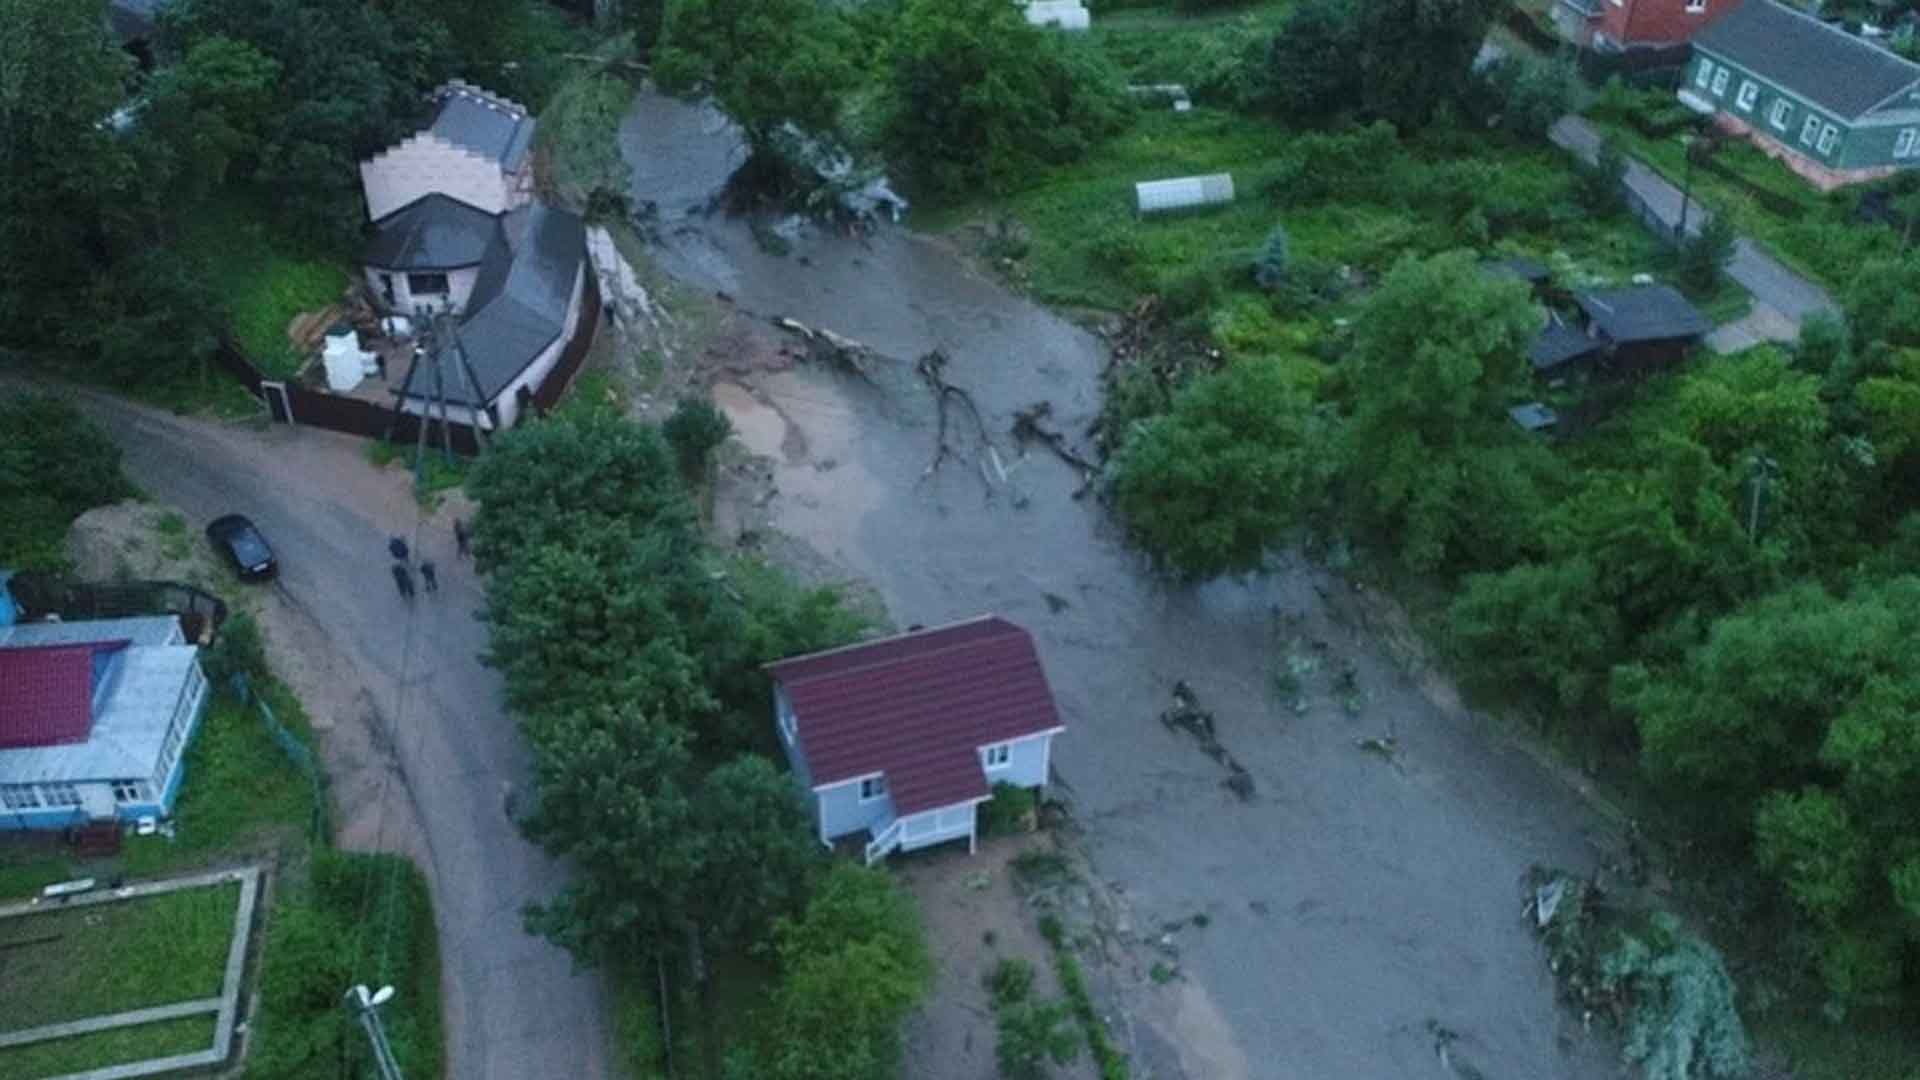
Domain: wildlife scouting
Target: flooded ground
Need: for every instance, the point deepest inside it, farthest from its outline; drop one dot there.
(1357, 901)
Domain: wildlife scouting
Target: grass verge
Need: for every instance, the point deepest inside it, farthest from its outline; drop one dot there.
(106, 1048)
(1821, 241)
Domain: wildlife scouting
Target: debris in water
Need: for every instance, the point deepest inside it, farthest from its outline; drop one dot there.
(1188, 716)
(932, 368)
(1030, 425)
(1055, 603)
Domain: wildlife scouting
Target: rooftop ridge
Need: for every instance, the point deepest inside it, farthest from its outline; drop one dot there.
(891, 638)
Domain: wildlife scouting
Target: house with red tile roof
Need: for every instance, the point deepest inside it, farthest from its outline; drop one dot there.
(903, 738)
(95, 718)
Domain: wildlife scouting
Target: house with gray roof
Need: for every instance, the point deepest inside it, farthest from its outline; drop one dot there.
(1835, 108)
(95, 719)
(459, 242)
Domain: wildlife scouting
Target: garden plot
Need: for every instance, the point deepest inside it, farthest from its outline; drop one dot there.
(133, 981)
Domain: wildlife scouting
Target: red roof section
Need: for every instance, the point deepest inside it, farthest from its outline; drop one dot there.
(46, 693)
(918, 707)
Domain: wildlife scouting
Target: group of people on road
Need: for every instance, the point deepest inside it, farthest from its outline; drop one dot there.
(403, 570)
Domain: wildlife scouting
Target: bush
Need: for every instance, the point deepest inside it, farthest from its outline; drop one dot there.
(1034, 1036)
(238, 650)
(1009, 811)
(1010, 981)
(1270, 266)
(1597, 184)
(1681, 1024)
(55, 464)
(1703, 258)
(696, 428)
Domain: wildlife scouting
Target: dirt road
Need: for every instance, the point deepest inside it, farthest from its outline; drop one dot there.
(1353, 902)
(385, 678)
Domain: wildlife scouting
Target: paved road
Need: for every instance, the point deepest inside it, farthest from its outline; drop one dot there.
(1782, 298)
(515, 1009)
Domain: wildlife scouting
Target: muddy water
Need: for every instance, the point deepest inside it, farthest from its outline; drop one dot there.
(1353, 901)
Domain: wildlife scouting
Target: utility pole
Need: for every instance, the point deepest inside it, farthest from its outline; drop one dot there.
(1763, 470)
(366, 1008)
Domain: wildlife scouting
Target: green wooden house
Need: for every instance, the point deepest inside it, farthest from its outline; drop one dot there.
(1837, 109)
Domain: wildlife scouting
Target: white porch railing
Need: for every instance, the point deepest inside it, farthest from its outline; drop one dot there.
(885, 841)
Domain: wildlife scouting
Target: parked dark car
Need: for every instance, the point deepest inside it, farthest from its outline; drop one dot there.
(244, 547)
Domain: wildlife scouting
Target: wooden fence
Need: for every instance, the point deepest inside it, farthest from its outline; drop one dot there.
(291, 403)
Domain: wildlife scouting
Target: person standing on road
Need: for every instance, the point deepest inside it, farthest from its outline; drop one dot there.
(426, 575)
(398, 547)
(403, 581)
(462, 538)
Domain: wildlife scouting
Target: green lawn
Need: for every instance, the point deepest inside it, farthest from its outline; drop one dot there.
(155, 950)
(116, 1047)
(266, 278)
(1087, 247)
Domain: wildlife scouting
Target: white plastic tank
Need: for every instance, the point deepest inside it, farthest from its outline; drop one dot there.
(1186, 192)
(1065, 14)
(346, 362)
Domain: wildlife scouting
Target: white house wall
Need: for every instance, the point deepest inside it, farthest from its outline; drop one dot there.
(842, 812)
(424, 164)
(459, 288)
(1026, 763)
(508, 403)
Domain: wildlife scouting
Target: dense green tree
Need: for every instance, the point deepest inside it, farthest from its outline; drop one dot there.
(543, 482)
(55, 464)
(609, 796)
(1416, 56)
(1310, 73)
(351, 80)
(1545, 627)
(571, 628)
(1439, 352)
(213, 110)
(757, 855)
(851, 968)
(1749, 709)
(1244, 459)
(980, 97)
(1883, 304)
(63, 172)
(767, 62)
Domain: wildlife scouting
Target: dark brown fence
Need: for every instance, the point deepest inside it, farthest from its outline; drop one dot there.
(298, 404)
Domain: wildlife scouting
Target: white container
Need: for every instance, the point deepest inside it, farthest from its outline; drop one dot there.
(346, 362)
(1158, 196)
(1064, 14)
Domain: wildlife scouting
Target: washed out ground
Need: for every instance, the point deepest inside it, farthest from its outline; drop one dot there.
(1355, 900)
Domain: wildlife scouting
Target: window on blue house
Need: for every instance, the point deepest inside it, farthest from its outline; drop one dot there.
(998, 755)
(1903, 142)
(132, 791)
(1782, 112)
(19, 797)
(1704, 74)
(1810, 130)
(873, 787)
(1828, 137)
(1720, 83)
(1749, 93)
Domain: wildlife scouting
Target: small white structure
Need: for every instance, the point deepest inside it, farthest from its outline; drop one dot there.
(1158, 196)
(1064, 14)
(347, 363)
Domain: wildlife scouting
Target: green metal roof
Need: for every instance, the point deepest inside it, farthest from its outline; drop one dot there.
(1845, 75)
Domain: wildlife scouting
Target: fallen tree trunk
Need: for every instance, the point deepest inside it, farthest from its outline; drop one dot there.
(1029, 425)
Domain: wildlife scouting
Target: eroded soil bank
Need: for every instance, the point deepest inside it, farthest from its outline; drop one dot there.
(1357, 900)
